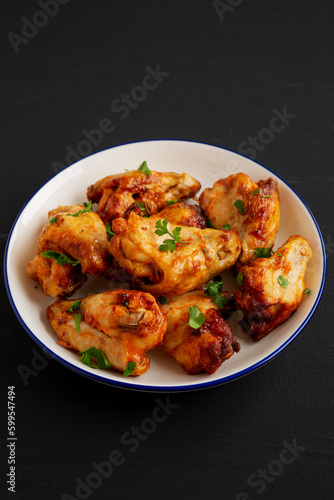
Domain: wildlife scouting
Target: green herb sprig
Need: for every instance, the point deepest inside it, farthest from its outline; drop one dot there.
(96, 354)
(169, 244)
(196, 318)
(239, 204)
(87, 209)
(144, 168)
(59, 257)
(263, 253)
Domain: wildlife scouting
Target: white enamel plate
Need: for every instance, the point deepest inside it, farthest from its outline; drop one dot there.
(207, 164)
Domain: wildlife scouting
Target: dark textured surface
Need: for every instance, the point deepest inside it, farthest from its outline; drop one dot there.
(225, 78)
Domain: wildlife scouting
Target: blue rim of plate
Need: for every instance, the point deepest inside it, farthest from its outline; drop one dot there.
(179, 388)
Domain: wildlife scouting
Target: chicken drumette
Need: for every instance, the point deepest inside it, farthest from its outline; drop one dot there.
(273, 287)
(123, 324)
(200, 350)
(79, 236)
(251, 209)
(116, 193)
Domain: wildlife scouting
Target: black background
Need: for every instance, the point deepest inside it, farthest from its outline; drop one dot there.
(225, 77)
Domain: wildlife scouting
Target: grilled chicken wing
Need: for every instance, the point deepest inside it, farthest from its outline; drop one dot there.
(123, 324)
(266, 298)
(201, 350)
(82, 238)
(204, 254)
(116, 193)
(258, 222)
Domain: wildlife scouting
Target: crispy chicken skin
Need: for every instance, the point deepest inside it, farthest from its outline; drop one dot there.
(182, 214)
(202, 350)
(116, 193)
(135, 247)
(123, 324)
(258, 225)
(81, 238)
(264, 302)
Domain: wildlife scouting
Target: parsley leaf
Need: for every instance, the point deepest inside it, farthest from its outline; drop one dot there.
(256, 192)
(210, 224)
(130, 368)
(221, 301)
(266, 196)
(239, 204)
(60, 258)
(279, 253)
(240, 279)
(213, 288)
(75, 305)
(97, 354)
(196, 318)
(307, 291)
(108, 229)
(282, 281)
(226, 227)
(144, 168)
(77, 320)
(142, 207)
(171, 202)
(162, 300)
(87, 209)
(161, 229)
(54, 219)
(167, 245)
(261, 252)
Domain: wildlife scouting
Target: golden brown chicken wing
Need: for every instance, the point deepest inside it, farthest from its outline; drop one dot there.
(251, 209)
(182, 214)
(123, 324)
(116, 193)
(197, 350)
(201, 254)
(79, 236)
(273, 287)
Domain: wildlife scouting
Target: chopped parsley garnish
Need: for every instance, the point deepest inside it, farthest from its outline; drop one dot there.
(307, 291)
(279, 253)
(162, 300)
(282, 281)
(130, 368)
(214, 289)
(143, 206)
(77, 316)
(226, 227)
(266, 196)
(210, 224)
(54, 219)
(196, 318)
(108, 229)
(171, 202)
(98, 355)
(60, 258)
(144, 168)
(256, 192)
(87, 209)
(240, 279)
(161, 229)
(75, 305)
(262, 252)
(205, 250)
(239, 204)
(77, 321)
(221, 301)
